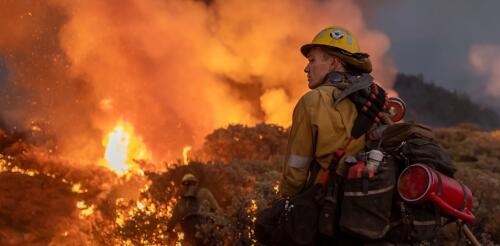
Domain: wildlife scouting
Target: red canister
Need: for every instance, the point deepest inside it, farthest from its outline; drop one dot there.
(419, 183)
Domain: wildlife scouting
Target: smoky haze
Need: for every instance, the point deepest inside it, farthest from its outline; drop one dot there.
(446, 41)
(175, 70)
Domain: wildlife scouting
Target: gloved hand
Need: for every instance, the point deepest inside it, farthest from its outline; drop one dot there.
(371, 103)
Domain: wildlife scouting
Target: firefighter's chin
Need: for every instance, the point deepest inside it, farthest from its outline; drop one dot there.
(311, 83)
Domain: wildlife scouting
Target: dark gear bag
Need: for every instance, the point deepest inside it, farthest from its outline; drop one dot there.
(425, 222)
(290, 221)
(428, 152)
(371, 208)
(367, 203)
(412, 223)
(412, 143)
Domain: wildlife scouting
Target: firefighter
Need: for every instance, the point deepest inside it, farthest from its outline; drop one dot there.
(322, 122)
(319, 128)
(187, 210)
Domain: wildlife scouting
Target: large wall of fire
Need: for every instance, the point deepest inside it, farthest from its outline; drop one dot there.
(71, 71)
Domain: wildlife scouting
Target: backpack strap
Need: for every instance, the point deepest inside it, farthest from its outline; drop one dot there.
(313, 173)
(369, 98)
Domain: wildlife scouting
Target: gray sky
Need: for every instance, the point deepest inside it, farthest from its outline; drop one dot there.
(434, 38)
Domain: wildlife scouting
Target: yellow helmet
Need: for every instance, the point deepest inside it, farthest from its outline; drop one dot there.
(189, 177)
(343, 44)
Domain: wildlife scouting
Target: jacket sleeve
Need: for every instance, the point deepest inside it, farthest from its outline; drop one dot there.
(207, 196)
(176, 217)
(299, 153)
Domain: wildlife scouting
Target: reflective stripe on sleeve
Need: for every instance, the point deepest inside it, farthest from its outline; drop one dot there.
(298, 161)
(424, 223)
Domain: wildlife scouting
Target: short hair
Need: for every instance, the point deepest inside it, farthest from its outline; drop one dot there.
(332, 52)
(329, 52)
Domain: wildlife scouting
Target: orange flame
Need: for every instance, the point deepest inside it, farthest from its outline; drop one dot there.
(180, 237)
(185, 154)
(123, 147)
(85, 210)
(276, 187)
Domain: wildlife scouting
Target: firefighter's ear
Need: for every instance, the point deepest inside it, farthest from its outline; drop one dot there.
(335, 63)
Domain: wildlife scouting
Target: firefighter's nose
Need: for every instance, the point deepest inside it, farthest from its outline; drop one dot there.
(306, 69)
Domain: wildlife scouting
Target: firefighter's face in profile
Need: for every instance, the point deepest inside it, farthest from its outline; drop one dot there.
(320, 64)
(189, 188)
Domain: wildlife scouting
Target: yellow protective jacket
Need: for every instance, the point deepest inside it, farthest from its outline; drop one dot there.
(184, 206)
(318, 129)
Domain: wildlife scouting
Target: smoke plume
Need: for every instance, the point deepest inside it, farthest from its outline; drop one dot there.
(485, 60)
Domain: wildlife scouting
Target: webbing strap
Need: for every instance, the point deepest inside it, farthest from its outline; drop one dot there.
(338, 154)
(465, 196)
(440, 184)
(313, 173)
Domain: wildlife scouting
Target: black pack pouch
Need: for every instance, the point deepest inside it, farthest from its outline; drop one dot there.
(425, 222)
(266, 224)
(367, 203)
(292, 221)
(420, 150)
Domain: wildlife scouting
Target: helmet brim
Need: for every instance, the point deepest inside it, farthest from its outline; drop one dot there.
(306, 48)
(360, 64)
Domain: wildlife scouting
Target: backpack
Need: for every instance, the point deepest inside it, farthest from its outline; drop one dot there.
(415, 143)
(290, 221)
(371, 207)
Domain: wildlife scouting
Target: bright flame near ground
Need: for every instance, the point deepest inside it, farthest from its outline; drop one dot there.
(123, 147)
(185, 154)
(77, 188)
(85, 210)
(251, 210)
(180, 237)
(276, 187)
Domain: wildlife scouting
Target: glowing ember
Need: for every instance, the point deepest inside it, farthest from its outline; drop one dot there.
(7, 166)
(120, 220)
(253, 206)
(77, 188)
(123, 147)
(252, 209)
(85, 210)
(185, 154)
(180, 237)
(140, 205)
(277, 187)
(81, 204)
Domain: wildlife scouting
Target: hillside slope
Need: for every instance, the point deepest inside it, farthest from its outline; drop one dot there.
(438, 107)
